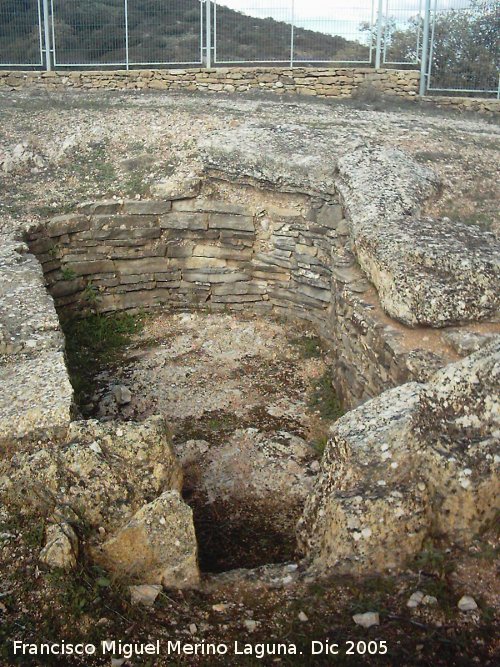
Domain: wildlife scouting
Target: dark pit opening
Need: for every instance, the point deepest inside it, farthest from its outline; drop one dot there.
(249, 402)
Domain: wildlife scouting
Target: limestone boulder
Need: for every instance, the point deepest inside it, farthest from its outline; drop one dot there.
(156, 546)
(458, 422)
(418, 459)
(367, 509)
(433, 272)
(103, 471)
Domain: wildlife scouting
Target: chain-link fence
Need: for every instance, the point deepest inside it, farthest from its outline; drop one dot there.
(21, 35)
(288, 32)
(126, 32)
(464, 51)
(402, 32)
(454, 43)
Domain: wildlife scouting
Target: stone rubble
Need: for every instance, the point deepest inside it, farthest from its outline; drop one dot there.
(156, 546)
(61, 547)
(367, 619)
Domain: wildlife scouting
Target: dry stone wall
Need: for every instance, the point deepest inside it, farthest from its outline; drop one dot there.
(320, 82)
(199, 252)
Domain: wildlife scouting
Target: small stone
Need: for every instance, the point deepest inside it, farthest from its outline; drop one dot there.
(367, 619)
(145, 594)
(303, 617)
(467, 603)
(61, 547)
(122, 394)
(95, 447)
(193, 629)
(220, 607)
(250, 625)
(415, 599)
(429, 600)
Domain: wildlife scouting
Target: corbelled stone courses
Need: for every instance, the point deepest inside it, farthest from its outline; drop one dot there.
(418, 266)
(426, 272)
(225, 255)
(418, 459)
(314, 82)
(35, 392)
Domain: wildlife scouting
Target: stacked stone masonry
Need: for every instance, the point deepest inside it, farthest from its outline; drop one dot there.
(197, 252)
(313, 82)
(320, 82)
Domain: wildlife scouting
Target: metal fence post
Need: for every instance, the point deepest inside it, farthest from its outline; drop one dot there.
(292, 34)
(208, 35)
(46, 33)
(425, 49)
(380, 21)
(126, 35)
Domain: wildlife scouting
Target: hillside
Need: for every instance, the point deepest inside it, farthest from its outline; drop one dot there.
(159, 31)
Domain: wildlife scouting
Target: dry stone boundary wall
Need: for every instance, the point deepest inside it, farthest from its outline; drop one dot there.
(320, 82)
(312, 82)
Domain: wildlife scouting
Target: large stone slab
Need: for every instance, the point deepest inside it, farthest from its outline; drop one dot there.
(419, 458)
(36, 398)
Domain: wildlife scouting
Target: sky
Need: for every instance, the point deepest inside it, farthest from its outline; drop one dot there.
(339, 17)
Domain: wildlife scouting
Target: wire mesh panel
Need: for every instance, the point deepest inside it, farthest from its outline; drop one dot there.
(402, 32)
(165, 32)
(333, 32)
(20, 33)
(465, 46)
(89, 33)
(258, 31)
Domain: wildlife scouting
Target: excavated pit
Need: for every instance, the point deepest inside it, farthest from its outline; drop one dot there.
(249, 402)
(240, 285)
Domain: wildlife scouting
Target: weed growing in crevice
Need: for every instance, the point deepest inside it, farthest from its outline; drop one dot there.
(324, 398)
(309, 346)
(68, 273)
(93, 342)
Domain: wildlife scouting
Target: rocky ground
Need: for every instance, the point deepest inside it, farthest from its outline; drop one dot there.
(230, 386)
(244, 398)
(251, 368)
(56, 149)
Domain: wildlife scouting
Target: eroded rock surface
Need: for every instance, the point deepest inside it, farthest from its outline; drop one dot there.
(156, 546)
(419, 459)
(104, 472)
